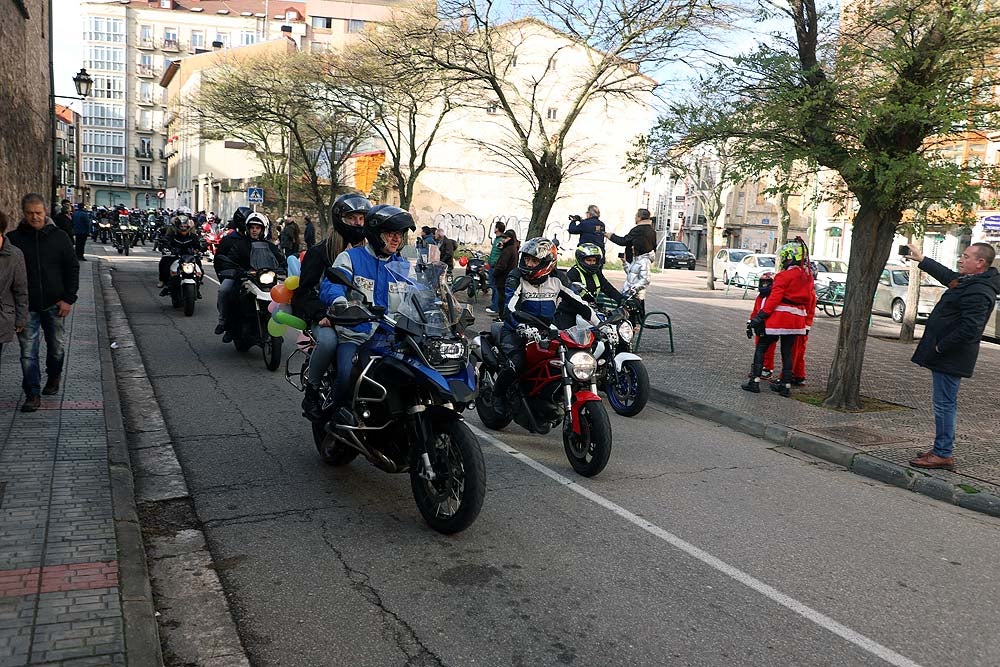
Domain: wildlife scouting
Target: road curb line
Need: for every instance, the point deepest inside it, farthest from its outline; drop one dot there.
(142, 639)
(843, 455)
(203, 630)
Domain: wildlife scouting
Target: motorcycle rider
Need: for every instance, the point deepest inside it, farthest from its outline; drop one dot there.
(179, 239)
(238, 227)
(236, 262)
(367, 269)
(348, 216)
(537, 289)
(589, 271)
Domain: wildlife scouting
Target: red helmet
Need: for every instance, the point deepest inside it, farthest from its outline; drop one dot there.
(542, 250)
(767, 275)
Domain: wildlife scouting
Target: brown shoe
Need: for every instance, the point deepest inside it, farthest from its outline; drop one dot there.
(52, 386)
(933, 461)
(31, 404)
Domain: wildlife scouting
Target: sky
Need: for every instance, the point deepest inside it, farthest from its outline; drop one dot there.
(67, 49)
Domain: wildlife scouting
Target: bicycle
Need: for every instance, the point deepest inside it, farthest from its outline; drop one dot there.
(830, 298)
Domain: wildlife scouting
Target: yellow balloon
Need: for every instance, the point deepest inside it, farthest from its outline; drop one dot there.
(291, 282)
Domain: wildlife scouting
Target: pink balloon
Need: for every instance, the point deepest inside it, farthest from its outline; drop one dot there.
(271, 307)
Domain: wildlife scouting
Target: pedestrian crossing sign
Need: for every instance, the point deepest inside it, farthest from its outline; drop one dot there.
(255, 195)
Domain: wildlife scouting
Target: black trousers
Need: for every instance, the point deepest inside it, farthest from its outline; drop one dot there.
(81, 241)
(787, 342)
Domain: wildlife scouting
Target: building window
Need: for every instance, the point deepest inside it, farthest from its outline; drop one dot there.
(354, 25)
(108, 88)
(145, 91)
(170, 38)
(247, 37)
(224, 38)
(144, 173)
(103, 170)
(103, 142)
(491, 108)
(145, 120)
(166, 4)
(318, 47)
(100, 29)
(291, 15)
(197, 39)
(552, 113)
(322, 22)
(146, 33)
(107, 58)
(101, 114)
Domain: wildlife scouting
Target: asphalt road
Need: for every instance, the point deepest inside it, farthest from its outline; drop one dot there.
(696, 546)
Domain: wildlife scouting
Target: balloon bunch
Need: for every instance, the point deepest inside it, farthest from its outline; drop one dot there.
(281, 297)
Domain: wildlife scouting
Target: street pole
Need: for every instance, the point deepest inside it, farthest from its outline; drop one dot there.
(288, 174)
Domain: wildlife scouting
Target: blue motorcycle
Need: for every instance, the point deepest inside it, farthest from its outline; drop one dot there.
(410, 384)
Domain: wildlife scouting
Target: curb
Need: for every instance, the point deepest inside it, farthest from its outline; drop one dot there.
(843, 455)
(199, 625)
(142, 639)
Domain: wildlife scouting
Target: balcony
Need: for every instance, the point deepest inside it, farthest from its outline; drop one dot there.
(170, 45)
(144, 153)
(139, 180)
(145, 43)
(146, 72)
(139, 127)
(146, 101)
(167, 153)
(96, 177)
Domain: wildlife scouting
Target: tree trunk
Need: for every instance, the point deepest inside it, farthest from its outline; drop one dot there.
(872, 240)
(909, 324)
(710, 253)
(785, 220)
(542, 202)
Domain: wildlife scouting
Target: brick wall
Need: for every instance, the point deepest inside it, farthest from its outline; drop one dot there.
(25, 146)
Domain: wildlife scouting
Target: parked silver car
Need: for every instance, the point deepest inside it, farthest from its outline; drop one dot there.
(724, 264)
(890, 295)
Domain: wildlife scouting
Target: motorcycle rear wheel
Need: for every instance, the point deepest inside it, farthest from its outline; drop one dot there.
(188, 297)
(332, 452)
(628, 391)
(588, 452)
(484, 402)
(451, 502)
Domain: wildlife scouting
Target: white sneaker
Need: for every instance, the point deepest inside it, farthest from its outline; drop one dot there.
(491, 311)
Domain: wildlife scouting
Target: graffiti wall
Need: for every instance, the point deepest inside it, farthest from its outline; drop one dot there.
(470, 229)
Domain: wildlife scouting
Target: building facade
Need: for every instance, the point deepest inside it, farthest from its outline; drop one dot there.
(129, 44)
(68, 156)
(25, 87)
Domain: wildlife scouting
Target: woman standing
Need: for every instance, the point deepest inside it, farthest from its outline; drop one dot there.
(506, 264)
(290, 239)
(13, 288)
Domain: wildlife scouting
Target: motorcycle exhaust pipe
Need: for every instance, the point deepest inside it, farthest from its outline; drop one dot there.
(378, 459)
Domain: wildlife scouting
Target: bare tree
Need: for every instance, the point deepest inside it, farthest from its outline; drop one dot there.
(579, 52)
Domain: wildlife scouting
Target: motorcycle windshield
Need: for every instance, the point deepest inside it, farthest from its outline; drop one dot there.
(261, 257)
(428, 302)
(579, 334)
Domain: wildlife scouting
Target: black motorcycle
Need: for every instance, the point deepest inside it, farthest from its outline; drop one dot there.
(249, 326)
(476, 278)
(122, 238)
(103, 230)
(410, 386)
(185, 280)
(620, 372)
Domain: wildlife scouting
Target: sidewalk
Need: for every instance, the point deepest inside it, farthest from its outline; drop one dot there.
(61, 598)
(713, 357)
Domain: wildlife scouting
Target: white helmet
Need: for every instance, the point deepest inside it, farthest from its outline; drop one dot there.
(256, 218)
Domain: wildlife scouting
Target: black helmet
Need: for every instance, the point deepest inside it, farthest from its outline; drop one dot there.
(182, 223)
(346, 205)
(585, 250)
(542, 250)
(239, 222)
(384, 218)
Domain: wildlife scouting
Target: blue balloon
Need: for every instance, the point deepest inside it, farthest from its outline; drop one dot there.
(294, 266)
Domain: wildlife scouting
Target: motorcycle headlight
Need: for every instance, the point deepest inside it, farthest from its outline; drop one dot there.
(266, 278)
(450, 350)
(625, 331)
(582, 366)
(187, 267)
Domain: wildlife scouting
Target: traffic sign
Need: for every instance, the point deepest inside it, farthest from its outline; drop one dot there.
(69, 192)
(160, 194)
(255, 195)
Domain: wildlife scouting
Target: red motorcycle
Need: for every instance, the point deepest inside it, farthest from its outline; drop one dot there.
(556, 384)
(212, 239)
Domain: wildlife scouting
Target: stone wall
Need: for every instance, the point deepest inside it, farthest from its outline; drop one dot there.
(25, 144)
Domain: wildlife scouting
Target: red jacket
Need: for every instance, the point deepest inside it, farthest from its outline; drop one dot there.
(792, 303)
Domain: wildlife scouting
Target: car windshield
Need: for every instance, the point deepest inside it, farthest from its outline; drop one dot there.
(765, 261)
(428, 302)
(676, 246)
(830, 266)
(737, 255)
(902, 277)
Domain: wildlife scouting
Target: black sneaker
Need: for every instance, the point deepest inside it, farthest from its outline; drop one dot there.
(782, 388)
(220, 329)
(165, 291)
(227, 337)
(751, 385)
(312, 404)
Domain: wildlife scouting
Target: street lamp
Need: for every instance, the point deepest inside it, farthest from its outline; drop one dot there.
(83, 83)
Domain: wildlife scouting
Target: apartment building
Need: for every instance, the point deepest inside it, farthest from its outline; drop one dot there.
(68, 154)
(128, 45)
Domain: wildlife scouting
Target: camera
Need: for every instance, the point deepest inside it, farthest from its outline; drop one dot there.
(904, 250)
(575, 218)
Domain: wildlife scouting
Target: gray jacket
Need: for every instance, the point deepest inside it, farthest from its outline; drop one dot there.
(13, 292)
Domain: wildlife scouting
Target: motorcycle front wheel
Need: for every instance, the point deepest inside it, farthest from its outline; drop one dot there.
(452, 500)
(484, 402)
(332, 452)
(588, 452)
(188, 297)
(628, 391)
(271, 345)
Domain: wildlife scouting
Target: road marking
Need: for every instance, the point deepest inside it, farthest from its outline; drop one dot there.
(208, 277)
(820, 619)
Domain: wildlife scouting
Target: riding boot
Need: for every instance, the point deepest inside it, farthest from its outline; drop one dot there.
(501, 388)
(784, 387)
(312, 403)
(753, 382)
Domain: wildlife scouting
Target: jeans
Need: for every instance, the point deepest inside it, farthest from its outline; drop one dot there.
(494, 294)
(226, 300)
(945, 394)
(322, 355)
(81, 241)
(49, 323)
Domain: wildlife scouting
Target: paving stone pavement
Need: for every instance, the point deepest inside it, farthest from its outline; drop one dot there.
(59, 590)
(713, 357)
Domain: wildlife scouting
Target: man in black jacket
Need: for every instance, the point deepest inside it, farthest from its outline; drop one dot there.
(640, 239)
(53, 280)
(950, 344)
(591, 229)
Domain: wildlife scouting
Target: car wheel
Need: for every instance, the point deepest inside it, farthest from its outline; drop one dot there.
(898, 310)
(691, 266)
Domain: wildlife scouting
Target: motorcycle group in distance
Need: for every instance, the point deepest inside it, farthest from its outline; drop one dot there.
(386, 356)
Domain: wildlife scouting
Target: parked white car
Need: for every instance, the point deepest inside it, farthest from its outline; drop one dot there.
(748, 269)
(724, 264)
(828, 270)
